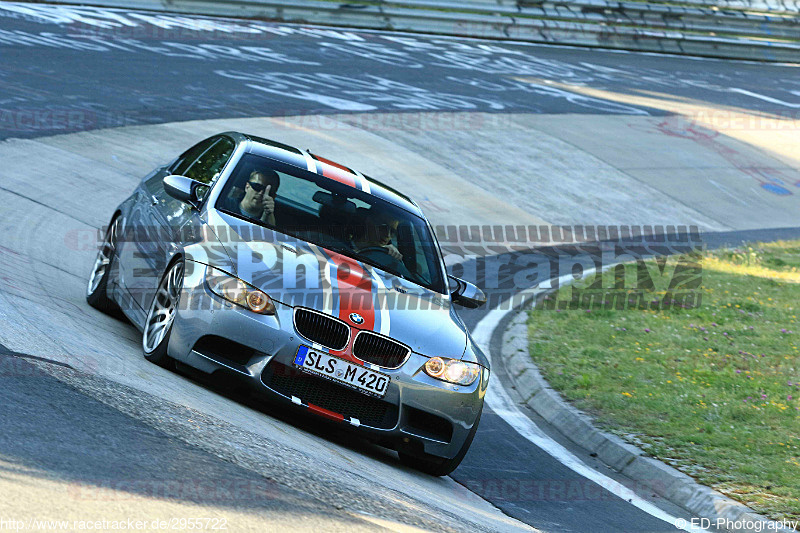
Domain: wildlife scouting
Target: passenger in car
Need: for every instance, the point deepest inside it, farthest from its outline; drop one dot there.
(258, 200)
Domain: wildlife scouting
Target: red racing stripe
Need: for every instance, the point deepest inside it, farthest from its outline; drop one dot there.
(333, 163)
(354, 286)
(335, 171)
(355, 291)
(325, 412)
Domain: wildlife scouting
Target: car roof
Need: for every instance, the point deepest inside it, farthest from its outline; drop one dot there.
(325, 167)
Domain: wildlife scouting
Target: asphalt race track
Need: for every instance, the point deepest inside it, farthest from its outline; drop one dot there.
(479, 132)
(150, 68)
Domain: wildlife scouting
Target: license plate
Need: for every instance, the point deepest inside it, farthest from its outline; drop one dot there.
(350, 374)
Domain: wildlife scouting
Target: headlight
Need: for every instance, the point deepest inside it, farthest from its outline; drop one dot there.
(452, 370)
(237, 291)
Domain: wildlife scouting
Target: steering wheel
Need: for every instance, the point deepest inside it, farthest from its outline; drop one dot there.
(374, 249)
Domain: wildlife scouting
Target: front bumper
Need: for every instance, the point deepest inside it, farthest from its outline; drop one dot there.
(416, 411)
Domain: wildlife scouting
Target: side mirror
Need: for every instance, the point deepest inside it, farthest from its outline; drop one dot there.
(183, 189)
(465, 293)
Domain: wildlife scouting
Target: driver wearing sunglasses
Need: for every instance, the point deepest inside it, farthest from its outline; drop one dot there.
(259, 195)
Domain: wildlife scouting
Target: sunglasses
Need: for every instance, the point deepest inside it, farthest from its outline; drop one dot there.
(256, 186)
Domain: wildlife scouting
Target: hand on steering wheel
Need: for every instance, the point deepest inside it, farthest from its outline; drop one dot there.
(388, 249)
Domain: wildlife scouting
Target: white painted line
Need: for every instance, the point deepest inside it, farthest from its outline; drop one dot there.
(764, 97)
(331, 101)
(735, 197)
(497, 398)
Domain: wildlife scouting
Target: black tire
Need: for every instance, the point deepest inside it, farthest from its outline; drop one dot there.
(439, 466)
(155, 338)
(96, 294)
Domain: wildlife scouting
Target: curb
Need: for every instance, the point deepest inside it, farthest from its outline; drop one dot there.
(669, 483)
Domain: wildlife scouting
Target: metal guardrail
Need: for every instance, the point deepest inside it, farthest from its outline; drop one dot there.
(765, 30)
(679, 18)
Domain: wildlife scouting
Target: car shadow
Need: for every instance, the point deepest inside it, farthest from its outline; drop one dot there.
(90, 455)
(230, 386)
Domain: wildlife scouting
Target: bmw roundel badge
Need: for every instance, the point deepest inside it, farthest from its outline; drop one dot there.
(357, 319)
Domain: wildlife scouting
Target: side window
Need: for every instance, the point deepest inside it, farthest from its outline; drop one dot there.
(206, 169)
(189, 156)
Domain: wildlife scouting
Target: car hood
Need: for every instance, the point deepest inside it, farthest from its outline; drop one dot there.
(297, 273)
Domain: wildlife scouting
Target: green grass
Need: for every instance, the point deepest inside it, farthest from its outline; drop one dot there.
(712, 390)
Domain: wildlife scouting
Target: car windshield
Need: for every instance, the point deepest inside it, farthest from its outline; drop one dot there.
(336, 216)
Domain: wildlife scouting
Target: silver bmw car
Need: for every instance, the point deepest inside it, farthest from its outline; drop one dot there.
(315, 284)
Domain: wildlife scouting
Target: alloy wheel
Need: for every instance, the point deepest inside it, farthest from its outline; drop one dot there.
(104, 257)
(162, 310)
